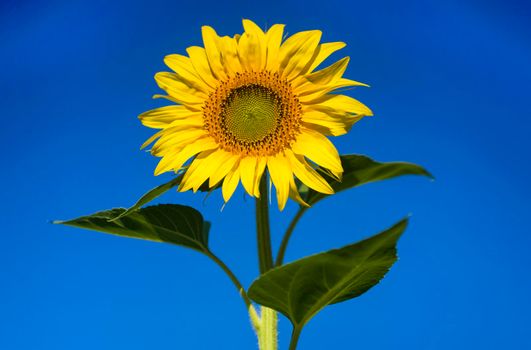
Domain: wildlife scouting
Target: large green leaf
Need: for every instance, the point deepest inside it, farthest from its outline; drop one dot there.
(302, 288)
(359, 170)
(170, 223)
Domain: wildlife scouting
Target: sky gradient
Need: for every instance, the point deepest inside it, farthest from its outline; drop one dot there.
(449, 89)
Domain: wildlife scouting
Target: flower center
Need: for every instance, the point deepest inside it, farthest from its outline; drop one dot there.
(253, 113)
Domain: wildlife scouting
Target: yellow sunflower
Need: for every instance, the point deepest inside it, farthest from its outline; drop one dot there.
(253, 102)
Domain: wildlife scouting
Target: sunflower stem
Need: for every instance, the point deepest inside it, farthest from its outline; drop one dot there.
(265, 255)
(266, 330)
(294, 338)
(267, 335)
(232, 277)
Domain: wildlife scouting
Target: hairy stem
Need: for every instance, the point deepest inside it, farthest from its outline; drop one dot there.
(267, 336)
(267, 327)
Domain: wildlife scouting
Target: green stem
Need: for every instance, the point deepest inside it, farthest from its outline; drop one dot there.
(294, 338)
(255, 319)
(287, 236)
(232, 277)
(267, 336)
(267, 327)
(265, 255)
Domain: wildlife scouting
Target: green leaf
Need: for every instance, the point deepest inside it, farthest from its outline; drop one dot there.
(302, 288)
(157, 192)
(359, 170)
(170, 223)
(149, 196)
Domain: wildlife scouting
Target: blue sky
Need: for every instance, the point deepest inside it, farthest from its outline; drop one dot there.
(449, 88)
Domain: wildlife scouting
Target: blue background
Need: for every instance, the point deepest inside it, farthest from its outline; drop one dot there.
(450, 90)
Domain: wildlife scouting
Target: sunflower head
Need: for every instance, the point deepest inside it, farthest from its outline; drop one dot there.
(251, 104)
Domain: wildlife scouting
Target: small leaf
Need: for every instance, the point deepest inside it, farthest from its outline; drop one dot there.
(302, 288)
(170, 223)
(359, 170)
(149, 196)
(157, 192)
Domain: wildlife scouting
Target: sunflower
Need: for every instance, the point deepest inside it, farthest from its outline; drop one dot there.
(253, 102)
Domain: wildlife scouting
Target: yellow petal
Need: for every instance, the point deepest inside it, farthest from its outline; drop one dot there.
(323, 129)
(176, 138)
(318, 148)
(330, 73)
(336, 124)
(297, 51)
(339, 104)
(251, 27)
(211, 41)
(201, 65)
(251, 170)
(169, 98)
(260, 167)
(191, 176)
(252, 49)
(151, 139)
(229, 55)
(231, 182)
(227, 161)
(166, 163)
(193, 120)
(200, 170)
(313, 92)
(254, 44)
(179, 90)
(294, 193)
(160, 118)
(178, 133)
(320, 54)
(280, 172)
(329, 76)
(184, 68)
(215, 159)
(325, 50)
(307, 174)
(247, 173)
(316, 84)
(175, 160)
(273, 40)
(333, 125)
